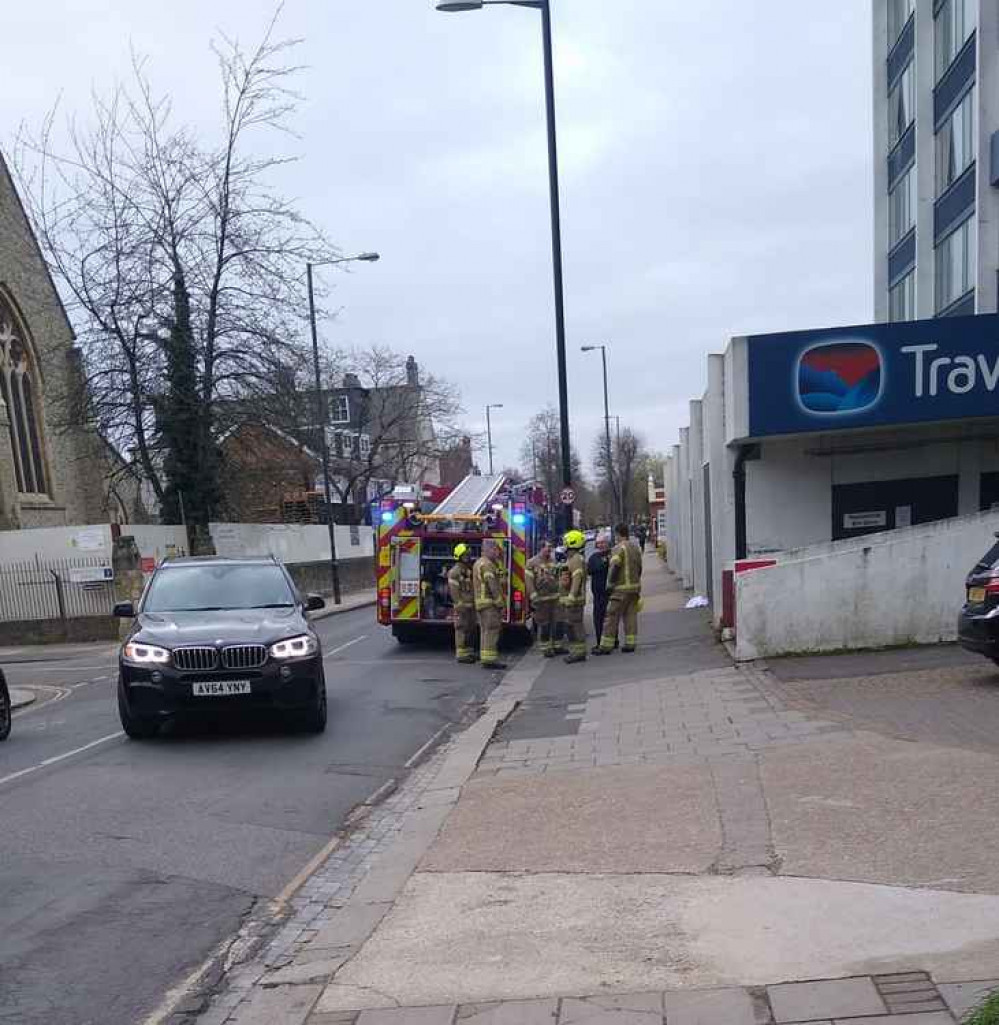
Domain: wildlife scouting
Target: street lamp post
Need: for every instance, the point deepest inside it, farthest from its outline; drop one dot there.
(489, 433)
(556, 222)
(610, 457)
(322, 412)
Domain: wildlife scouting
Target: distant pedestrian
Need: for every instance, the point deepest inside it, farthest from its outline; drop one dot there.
(597, 567)
(643, 535)
(490, 600)
(624, 582)
(459, 581)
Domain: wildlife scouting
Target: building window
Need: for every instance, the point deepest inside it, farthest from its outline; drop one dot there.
(955, 271)
(902, 299)
(901, 105)
(956, 143)
(899, 12)
(340, 409)
(902, 207)
(365, 446)
(955, 21)
(22, 397)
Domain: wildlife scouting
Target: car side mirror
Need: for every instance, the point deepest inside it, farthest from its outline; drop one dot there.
(124, 610)
(313, 603)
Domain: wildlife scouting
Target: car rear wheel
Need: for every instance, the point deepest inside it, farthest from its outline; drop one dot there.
(6, 713)
(136, 727)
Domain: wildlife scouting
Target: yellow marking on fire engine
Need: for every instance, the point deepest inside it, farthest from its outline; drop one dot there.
(408, 609)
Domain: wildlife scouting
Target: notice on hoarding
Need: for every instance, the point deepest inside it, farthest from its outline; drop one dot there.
(862, 520)
(90, 539)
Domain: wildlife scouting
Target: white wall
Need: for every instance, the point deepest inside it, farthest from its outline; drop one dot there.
(686, 518)
(900, 587)
(788, 499)
(722, 460)
(291, 543)
(155, 542)
(699, 558)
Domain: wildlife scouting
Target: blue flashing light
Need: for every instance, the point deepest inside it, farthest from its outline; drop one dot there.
(519, 519)
(387, 516)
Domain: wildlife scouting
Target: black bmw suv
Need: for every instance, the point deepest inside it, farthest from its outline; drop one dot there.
(214, 635)
(978, 620)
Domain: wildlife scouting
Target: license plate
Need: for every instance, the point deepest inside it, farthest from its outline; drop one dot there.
(976, 595)
(219, 688)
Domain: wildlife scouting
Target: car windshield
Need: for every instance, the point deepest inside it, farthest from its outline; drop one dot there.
(215, 587)
(988, 560)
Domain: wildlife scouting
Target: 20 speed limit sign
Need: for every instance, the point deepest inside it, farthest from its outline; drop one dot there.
(567, 496)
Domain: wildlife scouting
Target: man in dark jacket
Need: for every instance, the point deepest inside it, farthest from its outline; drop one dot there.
(597, 566)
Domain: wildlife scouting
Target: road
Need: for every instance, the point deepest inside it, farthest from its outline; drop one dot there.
(123, 864)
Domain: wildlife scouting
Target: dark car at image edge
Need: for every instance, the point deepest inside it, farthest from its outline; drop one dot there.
(215, 636)
(978, 620)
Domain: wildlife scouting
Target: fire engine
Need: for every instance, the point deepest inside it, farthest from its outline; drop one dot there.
(416, 541)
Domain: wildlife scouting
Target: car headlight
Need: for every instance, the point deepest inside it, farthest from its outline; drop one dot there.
(295, 647)
(145, 654)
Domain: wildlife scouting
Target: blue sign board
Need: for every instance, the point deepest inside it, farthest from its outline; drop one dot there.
(876, 374)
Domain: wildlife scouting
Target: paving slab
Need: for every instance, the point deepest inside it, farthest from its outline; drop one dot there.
(513, 1012)
(287, 1005)
(886, 811)
(625, 819)
(407, 1016)
(962, 997)
(933, 1018)
(467, 937)
(838, 998)
(623, 1009)
(732, 1006)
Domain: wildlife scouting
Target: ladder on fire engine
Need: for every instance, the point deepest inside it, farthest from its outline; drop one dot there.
(471, 496)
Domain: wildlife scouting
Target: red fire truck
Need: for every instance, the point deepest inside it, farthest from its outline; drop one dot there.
(416, 542)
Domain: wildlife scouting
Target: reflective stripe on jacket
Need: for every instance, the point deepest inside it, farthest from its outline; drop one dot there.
(487, 585)
(459, 580)
(625, 574)
(573, 581)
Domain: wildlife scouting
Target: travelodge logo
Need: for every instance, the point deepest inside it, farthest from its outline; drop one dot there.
(839, 378)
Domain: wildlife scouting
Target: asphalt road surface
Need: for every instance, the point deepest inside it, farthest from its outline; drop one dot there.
(123, 864)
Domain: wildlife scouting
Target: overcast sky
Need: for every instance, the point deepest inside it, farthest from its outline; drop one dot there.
(715, 161)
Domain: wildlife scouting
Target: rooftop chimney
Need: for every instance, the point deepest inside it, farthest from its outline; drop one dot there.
(412, 373)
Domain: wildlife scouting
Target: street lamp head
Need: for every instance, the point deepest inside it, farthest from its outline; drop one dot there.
(459, 5)
(587, 348)
(368, 257)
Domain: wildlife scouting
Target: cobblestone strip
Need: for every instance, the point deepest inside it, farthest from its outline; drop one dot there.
(909, 993)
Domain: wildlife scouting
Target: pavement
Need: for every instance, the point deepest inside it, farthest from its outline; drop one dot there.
(669, 837)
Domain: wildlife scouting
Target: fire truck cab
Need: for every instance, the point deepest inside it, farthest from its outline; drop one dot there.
(416, 542)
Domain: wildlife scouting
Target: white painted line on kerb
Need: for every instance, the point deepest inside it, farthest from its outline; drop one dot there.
(356, 640)
(59, 758)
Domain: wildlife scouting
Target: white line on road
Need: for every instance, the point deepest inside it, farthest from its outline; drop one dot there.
(59, 758)
(57, 669)
(356, 640)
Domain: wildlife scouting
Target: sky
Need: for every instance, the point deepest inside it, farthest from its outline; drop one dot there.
(715, 165)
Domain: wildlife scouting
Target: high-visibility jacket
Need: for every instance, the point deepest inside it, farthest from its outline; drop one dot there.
(573, 580)
(625, 573)
(487, 584)
(459, 581)
(542, 580)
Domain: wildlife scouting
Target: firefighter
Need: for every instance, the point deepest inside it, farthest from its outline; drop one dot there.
(573, 596)
(624, 582)
(459, 581)
(490, 601)
(560, 629)
(542, 588)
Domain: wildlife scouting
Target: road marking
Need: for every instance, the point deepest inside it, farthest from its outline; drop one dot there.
(56, 669)
(356, 640)
(296, 884)
(59, 758)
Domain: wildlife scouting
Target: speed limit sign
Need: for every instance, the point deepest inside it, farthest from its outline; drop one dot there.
(567, 496)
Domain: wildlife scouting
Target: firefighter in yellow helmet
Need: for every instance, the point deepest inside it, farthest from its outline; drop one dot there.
(624, 584)
(490, 601)
(573, 596)
(459, 581)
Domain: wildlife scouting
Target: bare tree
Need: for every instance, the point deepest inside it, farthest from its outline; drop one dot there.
(181, 265)
(628, 450)
(386, 421)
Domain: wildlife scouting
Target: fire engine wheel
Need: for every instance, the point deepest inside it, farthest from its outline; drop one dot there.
(404, 634)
